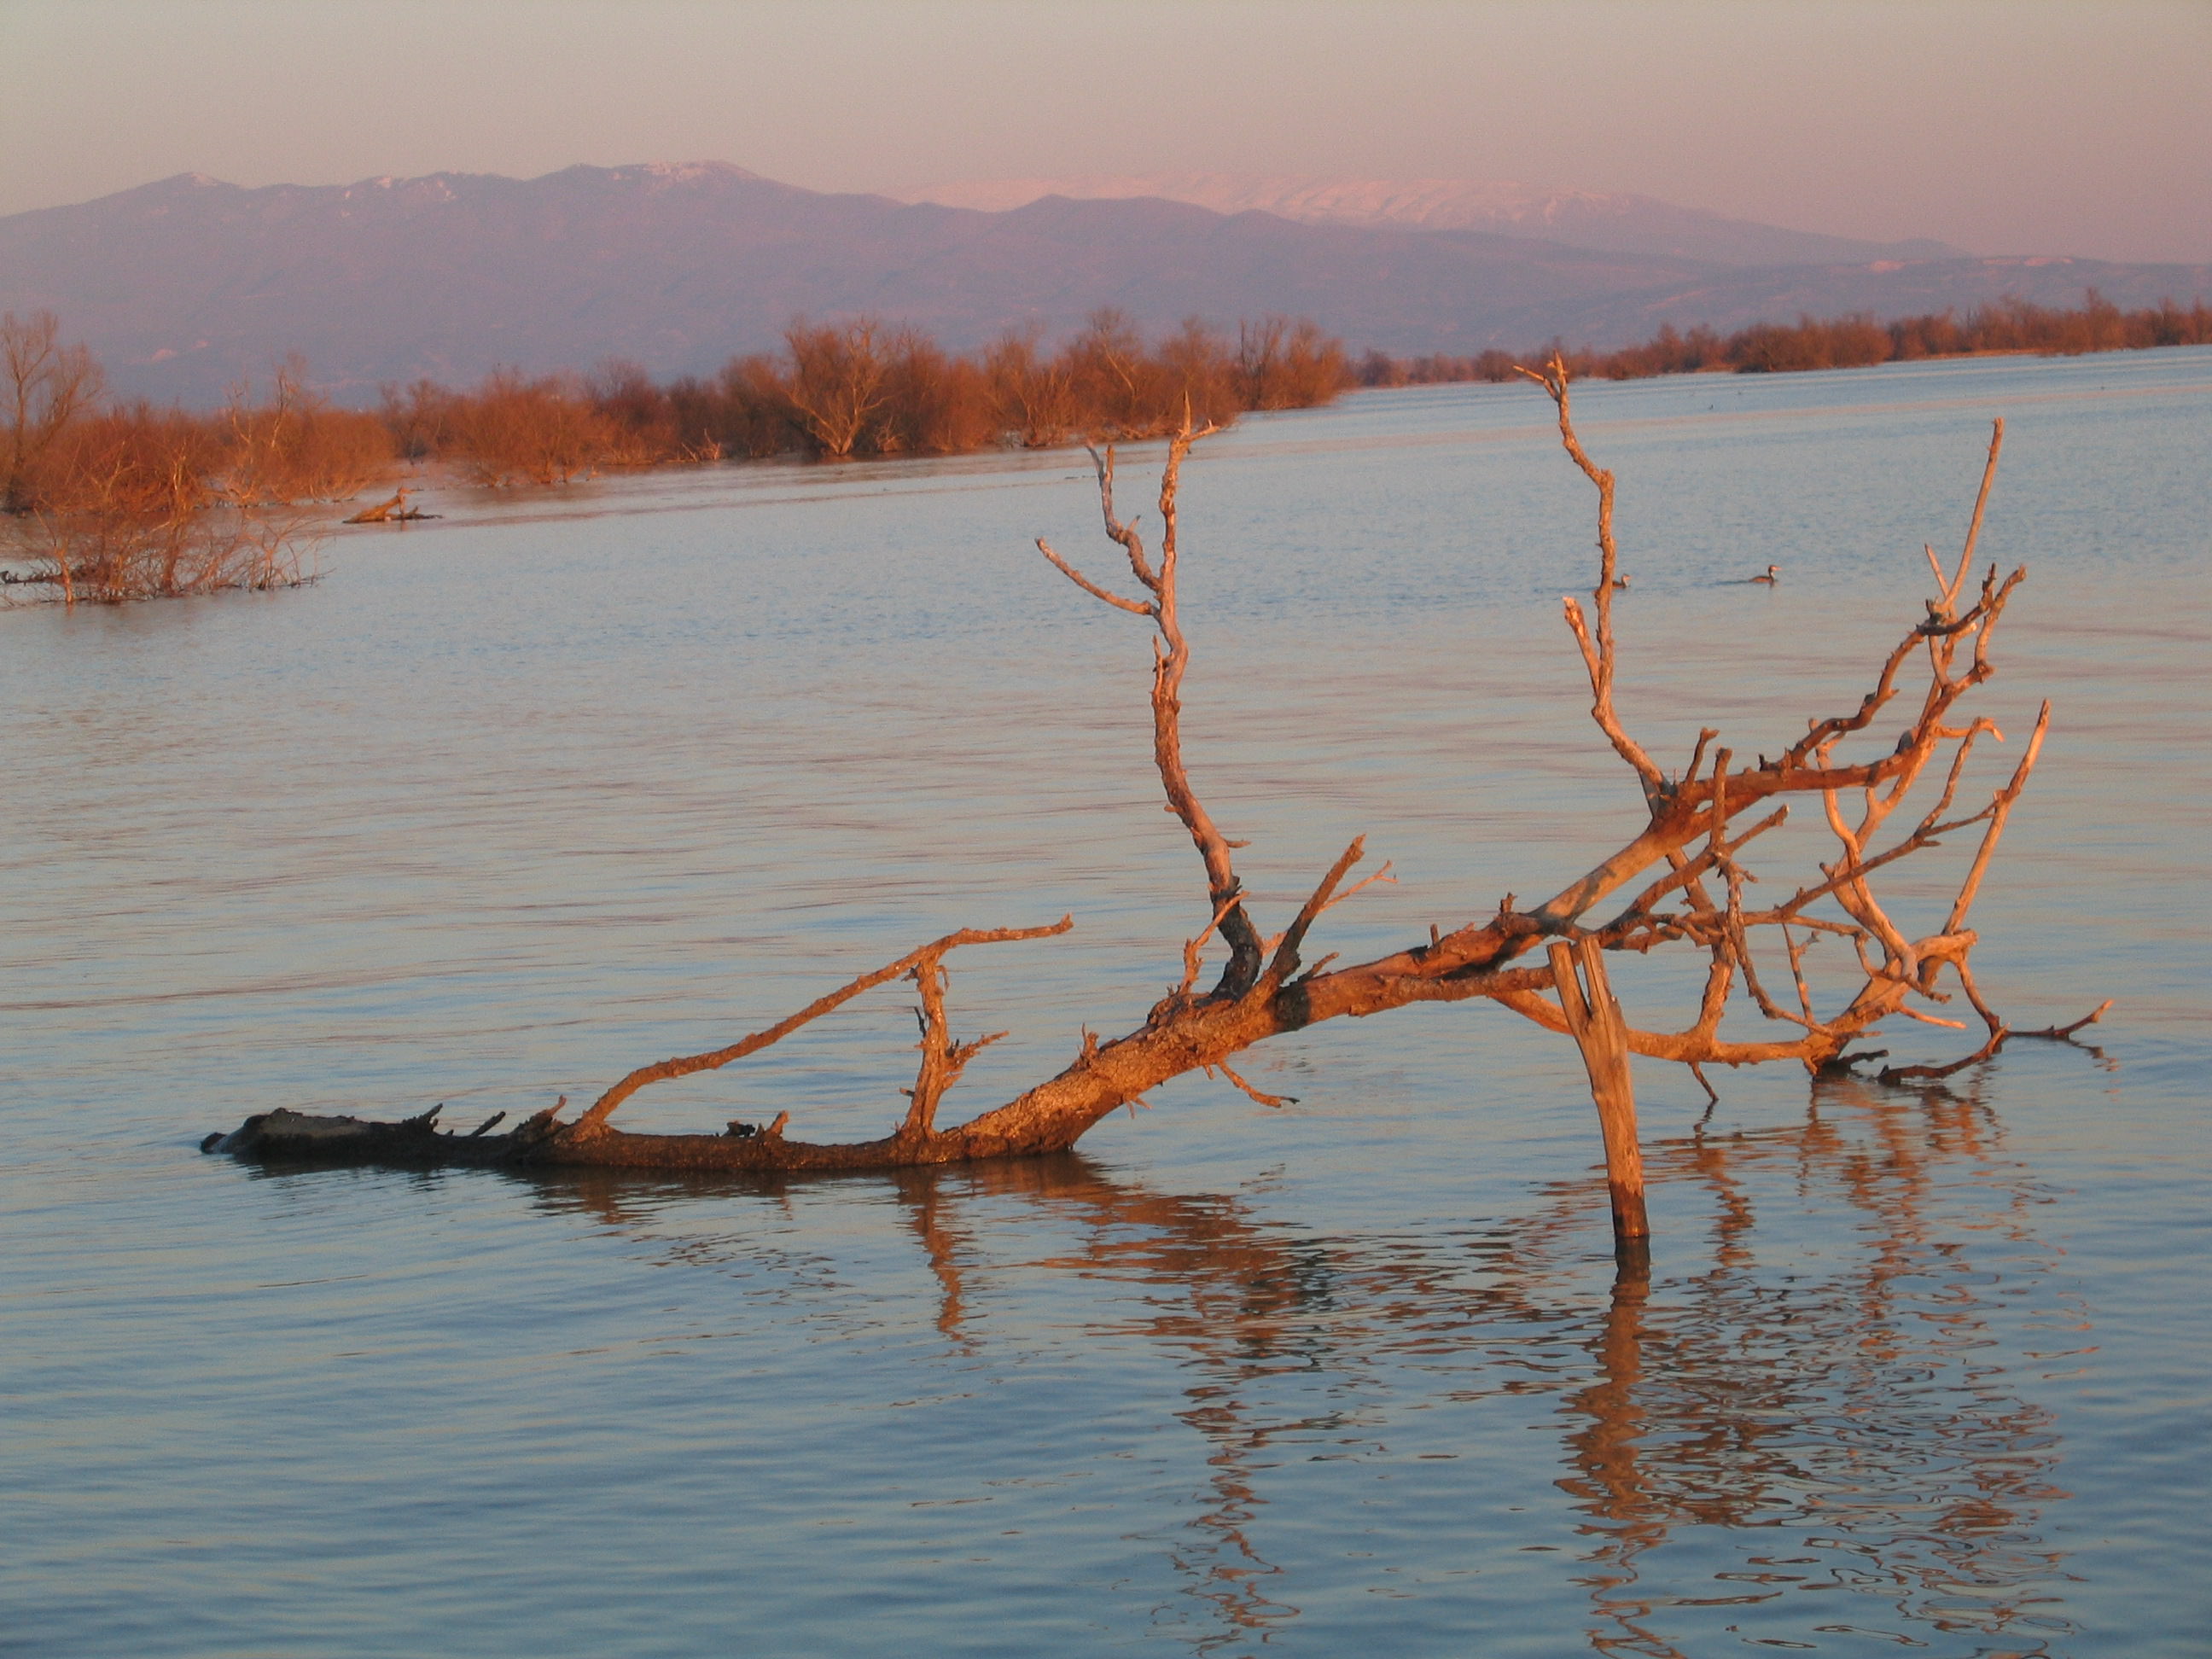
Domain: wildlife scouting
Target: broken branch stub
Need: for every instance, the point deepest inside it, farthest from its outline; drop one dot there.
(1594, 1020)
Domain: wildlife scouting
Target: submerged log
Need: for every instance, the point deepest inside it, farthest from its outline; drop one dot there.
(381, 511)
(395, 511)
(1681, 877)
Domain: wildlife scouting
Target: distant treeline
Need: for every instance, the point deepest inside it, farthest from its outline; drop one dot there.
(846, 390)
(835, 391)
(2008, 325)
(108, 501)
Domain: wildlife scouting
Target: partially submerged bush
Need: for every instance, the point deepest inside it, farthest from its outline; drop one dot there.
(107, 502)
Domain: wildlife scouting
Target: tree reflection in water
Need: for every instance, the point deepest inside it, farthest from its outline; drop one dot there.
(1860, 1412)
(1840, 1380)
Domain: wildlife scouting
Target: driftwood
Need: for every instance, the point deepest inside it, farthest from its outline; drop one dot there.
(1678, 882)
(395, 511)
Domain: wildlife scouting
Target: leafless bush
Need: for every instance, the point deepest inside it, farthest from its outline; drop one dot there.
(127, 504)
(512, 430)
(837, 380)
(933, 403)
(106, 504)
(295, 447)
(1032, 393)
(417, 418)
(638, 416)
(1283, 363)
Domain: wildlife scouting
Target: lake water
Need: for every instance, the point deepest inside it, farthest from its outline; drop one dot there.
(516, 801)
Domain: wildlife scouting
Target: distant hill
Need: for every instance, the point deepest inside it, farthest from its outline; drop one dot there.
(1611, 223)
(184, 286)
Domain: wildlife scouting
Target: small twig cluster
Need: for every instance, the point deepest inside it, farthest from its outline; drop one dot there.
(1701, 897)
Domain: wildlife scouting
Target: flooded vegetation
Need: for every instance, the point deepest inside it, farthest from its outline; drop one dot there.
(107, 502)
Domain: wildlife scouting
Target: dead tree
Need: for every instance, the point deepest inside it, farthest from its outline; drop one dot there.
(836, 386)
(44, 386)
(1679, 881)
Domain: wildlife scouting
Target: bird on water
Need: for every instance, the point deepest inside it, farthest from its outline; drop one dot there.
(1768, 579)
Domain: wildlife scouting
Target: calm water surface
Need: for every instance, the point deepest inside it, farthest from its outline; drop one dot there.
(514, 801)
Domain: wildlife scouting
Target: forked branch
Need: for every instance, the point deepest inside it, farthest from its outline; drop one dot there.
(1689, 816)
(1170, 661)
(942, 1059)
(1597, 649)
(928, 957)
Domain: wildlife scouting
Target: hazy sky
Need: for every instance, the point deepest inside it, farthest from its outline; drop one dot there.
(2003, 125)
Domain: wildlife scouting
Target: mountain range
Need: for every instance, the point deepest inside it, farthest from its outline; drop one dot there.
(1609, 223)
(185, 286)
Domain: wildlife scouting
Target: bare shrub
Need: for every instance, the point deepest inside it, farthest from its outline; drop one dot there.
(125, 506)
(512, 430)
(1283, 363)
(1032, 391)
(757, 416)
(933, 403)
(1120, 391)
(295, 447)
(1197, 377)
(418, 419)
(836, 386)
(638, 416)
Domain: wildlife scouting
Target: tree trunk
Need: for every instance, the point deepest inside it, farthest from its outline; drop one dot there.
(1594, 1020)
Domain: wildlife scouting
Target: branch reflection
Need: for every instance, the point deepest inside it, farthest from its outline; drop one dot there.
(1830, 1402)
(1858, 1407)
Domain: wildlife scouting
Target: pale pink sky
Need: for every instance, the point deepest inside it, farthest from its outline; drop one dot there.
(2003, 125)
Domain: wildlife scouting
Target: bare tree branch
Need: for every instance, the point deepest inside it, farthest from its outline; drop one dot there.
(714, 1059)
(1598, 655)
(1170, 661)
(1690, 854)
